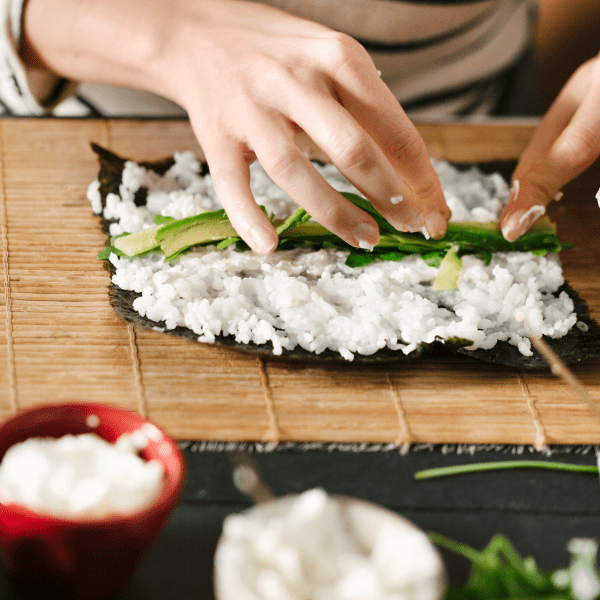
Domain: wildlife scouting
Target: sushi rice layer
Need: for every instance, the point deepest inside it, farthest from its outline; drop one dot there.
(309, 298)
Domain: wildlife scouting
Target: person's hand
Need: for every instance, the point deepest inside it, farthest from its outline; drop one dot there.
(566, 143)
(250, 83)
(250, 76)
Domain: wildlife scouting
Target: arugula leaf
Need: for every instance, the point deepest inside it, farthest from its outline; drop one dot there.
(392, 255)
(498, 572)
(227, 242)
(434, 259)
(105, 253)
(485, 256)
(365, 205)
(160, 220)
(360, 259)
(298, 217)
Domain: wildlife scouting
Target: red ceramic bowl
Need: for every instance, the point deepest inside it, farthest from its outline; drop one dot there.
(94, 558)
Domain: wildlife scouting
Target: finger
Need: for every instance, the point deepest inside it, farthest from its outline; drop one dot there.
(354, 152)
(366, 97)
(229, 170)
(574, 150)
(361, 161)
(556, 118)
(382, 117)
(289, 168)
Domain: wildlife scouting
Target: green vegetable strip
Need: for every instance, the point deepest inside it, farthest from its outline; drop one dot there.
(449, 271)
(179, 225)
(199, 233)
(298, 217)
(137, 243)
(500, 465)
(177, 236)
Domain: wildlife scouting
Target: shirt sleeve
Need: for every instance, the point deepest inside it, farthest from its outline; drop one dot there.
(24, 91)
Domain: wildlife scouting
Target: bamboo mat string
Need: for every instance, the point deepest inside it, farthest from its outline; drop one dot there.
(142, 401)
(272, 435)
(540, 443)
(405, 437)
(10, 350)
(106, 139)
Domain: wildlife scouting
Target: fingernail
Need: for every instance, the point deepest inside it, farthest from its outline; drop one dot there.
(263, 239)
(514, 190)
(417, 223)
(435, 224)
(411, 219)
(511, 229)
(520, 221)
(366, 236)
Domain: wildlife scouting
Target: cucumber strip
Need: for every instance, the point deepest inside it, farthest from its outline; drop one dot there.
(137, 243)
(449, 272)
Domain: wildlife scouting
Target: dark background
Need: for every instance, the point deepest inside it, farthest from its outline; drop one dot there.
(539, 510)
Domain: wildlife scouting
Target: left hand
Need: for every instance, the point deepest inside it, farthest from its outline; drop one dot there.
(566, 143)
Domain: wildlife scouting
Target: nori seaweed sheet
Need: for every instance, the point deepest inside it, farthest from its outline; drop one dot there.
(574, 347)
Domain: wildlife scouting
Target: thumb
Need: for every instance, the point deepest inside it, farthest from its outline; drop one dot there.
(576, 145)
(527, 202)
(573, 152)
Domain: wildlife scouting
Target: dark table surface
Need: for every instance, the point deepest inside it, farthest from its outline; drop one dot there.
(539, 510)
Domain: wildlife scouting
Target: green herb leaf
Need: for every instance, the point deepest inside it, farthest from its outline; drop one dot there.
(160, 220)
(105, 253)
(360, 259)
(227, 242)
(298, 217)
(392, 255)
(485, 256)
(365, 205)
(501, 465)
(499, 572)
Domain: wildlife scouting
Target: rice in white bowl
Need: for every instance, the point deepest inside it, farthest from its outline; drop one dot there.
(311, 299)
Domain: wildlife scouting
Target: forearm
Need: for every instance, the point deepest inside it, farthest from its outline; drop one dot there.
(110, 41)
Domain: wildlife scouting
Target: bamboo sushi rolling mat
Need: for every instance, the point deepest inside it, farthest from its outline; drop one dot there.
(60, 340)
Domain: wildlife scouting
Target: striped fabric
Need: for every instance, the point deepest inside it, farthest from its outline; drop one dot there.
(439, 57)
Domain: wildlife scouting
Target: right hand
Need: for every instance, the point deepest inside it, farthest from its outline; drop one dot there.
(250, 76)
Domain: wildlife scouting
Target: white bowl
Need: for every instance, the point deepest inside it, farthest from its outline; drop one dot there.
(364, 521)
